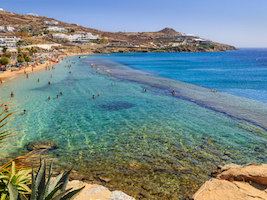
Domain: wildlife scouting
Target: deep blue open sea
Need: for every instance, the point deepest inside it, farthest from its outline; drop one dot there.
(153, 144)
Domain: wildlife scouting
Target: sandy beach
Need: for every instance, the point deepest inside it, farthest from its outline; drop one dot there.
(10, 75)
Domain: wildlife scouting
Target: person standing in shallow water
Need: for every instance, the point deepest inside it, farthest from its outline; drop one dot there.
(12, 94)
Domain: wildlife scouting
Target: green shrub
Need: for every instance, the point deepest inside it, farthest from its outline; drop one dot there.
(4, 61)
(20, 59)
(27, 59)
(8, 55)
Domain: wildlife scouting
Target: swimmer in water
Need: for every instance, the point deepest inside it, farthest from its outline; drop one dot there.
(98, 94)
(27, 75)
(24, 112)
(93, 96)
(49, 82)
(38, 80)
(48, 98)
(51, 76)
(6, 107)
(112, 83)
(57, 96)
(12, 94)
(61, 93)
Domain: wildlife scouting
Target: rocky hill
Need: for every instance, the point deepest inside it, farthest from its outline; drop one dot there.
(165, 40)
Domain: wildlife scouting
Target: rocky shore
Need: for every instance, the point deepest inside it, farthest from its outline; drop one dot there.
(97, 192)
(235, 182)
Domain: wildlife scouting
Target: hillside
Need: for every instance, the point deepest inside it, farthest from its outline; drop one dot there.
(165, 40)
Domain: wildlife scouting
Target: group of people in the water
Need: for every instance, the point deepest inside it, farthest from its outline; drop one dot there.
(61, 93)
(48, 67)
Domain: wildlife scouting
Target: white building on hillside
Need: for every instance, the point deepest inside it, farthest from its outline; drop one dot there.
(80, 32)
(2, 28)
(201, 41)
(1, 9)
(92, 37)
(32, 14)
(56, 29)
(53, 22)
(10, 29)
(9, 41)
(60, 36)
(77, 38)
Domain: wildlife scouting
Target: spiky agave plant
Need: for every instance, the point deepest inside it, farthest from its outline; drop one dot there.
(43, 189)
(19, 178)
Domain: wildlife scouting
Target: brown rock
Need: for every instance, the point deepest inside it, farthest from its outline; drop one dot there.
(104, 179)
(44, 144)
(215, 189)
(255, 173)
(236, 182)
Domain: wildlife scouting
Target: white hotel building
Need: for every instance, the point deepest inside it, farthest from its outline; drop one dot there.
(77, 37)
(8, 41)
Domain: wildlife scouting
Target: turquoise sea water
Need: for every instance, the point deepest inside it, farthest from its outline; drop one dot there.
(152, 145)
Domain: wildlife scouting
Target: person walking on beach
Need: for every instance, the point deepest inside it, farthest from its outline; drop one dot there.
(6, 108)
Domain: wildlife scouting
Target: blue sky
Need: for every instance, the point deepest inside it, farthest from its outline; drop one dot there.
(242, 23)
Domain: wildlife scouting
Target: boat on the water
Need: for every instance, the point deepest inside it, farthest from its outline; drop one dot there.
(82, 56)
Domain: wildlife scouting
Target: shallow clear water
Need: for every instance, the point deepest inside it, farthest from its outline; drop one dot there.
(150, 144)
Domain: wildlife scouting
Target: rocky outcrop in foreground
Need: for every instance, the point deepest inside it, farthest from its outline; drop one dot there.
(235, 182)
(97, 192)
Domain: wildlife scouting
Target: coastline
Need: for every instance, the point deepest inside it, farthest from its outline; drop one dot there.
(9, 75)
